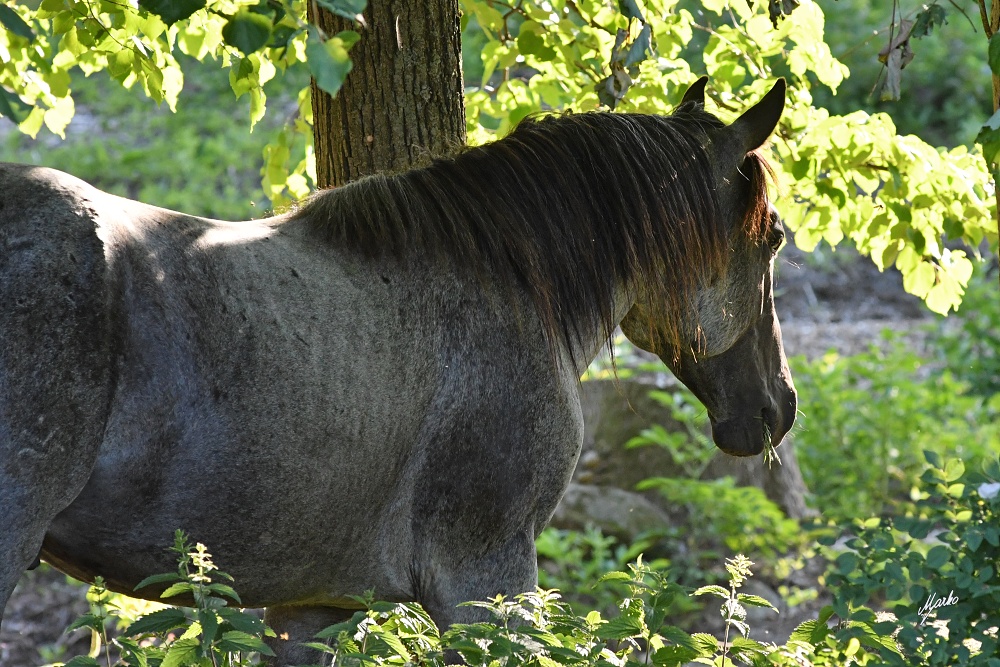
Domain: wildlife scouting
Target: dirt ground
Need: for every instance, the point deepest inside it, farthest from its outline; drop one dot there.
(826, 301)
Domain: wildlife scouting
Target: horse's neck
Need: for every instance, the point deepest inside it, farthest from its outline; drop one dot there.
(592, 335)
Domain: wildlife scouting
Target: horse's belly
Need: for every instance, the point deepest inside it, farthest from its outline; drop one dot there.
(284, 527)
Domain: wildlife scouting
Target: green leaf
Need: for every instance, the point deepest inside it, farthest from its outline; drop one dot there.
(13, 22)
(172, 11)
(157, 579)
(82, 661)
(349, 9)
(933, 15)
(847, 562)
(713, 590)
(675, 656)
(953, 469)
(938, 556)
(177, 589)
(630, 9)
(163, 620)
(994, 54)
(242, 621)
(13, 107)
(755, 601)
(933, 458)
(973, 539)
(744, 645)
(329, 63)
(182, 653)
(235, 640)
(247, 31)
(223, 589)
(209, 621)
(640, 49)
(396, 644)
(705, 642)
(620, 627)
(86, 621)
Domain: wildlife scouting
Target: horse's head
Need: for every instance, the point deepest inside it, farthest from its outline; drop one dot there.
(727, 347)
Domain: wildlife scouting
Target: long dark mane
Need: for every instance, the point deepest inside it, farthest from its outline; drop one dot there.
(565, 208)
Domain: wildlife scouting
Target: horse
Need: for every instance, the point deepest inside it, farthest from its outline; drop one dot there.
(377, 389)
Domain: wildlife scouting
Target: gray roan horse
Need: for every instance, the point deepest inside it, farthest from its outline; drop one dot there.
(377, 390)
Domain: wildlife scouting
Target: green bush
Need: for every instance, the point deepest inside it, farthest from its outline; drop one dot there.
(574, 561)
(934, 568)
(865, 420)
(968, 342)
(535, 628)
(212, 634)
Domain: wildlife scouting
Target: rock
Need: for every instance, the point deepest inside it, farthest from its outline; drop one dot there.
(624, 514)
(613, 413)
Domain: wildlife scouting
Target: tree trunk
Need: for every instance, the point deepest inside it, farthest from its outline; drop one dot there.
(991, 24)
(403, 101)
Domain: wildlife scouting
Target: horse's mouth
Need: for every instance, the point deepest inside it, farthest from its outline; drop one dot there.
(748, 436)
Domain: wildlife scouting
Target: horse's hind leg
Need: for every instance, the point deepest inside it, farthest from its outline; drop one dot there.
(55, 362)
(295, 625)
(458, 574)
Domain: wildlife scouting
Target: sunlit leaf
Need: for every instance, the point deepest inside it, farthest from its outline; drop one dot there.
(329, 62)
(163, 620)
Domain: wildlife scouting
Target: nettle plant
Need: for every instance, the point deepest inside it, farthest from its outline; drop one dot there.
(529, 629)
(935, 570)
(211, 634)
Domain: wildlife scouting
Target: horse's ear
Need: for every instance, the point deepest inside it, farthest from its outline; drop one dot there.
(753, 128)
(696, 92)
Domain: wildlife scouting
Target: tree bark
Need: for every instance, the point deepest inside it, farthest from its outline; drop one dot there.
(991, 24)
(403, 101)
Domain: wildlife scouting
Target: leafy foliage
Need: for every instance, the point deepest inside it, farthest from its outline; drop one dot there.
(935, 568)
(971, 349)
(865, 420)
(574, 563)
(211, 634)
(122, 145)
(947, 549)
(894, 197)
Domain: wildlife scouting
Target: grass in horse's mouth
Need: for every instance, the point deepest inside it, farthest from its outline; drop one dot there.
(770, 450)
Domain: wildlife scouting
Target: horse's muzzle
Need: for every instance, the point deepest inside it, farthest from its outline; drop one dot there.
(747, 435)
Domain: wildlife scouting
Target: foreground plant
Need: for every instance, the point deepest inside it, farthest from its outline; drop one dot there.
(538, 628)
(211, 634)
(935, 569)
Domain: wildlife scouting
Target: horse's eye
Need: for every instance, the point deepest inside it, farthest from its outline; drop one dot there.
(776, 238)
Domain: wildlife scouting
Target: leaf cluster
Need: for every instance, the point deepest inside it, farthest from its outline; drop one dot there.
(934, 568)
(864, 421)
(897, 199)
(211, 634)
